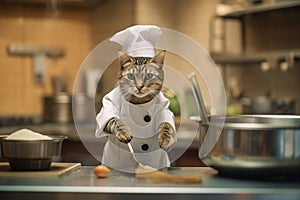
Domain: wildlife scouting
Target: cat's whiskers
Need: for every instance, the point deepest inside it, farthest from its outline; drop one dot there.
(127, 95)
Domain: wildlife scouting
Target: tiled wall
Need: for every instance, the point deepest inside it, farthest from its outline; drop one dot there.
(110, 17)
(21, 94)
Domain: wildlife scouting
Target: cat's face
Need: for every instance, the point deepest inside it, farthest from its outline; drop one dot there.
(141, 78)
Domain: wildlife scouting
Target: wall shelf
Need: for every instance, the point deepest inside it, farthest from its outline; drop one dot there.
(289, 56)
(218, 36)
(237, 11)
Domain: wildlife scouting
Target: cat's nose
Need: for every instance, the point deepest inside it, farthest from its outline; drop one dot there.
(139, 84)
(139, 87)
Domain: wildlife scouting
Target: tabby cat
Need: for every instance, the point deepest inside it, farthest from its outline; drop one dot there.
(140, 80)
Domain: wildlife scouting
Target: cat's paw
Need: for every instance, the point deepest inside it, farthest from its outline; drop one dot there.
(166, 142)
(119, 128)
(166, 137)
(124, 136)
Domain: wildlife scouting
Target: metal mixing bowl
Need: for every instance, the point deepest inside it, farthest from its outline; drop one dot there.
(24, 155)
(256, 146)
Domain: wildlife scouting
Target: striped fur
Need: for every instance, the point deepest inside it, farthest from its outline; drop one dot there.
(140, 78)
(119, 128)
(166, 136)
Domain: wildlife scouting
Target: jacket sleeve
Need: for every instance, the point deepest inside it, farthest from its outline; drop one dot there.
(109, 110)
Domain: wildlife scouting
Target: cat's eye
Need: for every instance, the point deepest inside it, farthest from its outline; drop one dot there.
(130, 76)
(148, 76)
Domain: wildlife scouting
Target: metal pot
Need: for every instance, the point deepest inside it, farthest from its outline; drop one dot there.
(58, 108)
(83, 109)
(26, 155)
(255, 145)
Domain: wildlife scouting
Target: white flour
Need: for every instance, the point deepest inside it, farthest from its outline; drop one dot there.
(25, 134)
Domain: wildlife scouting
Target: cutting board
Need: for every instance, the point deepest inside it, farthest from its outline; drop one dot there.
(177, 175)
(56, 170)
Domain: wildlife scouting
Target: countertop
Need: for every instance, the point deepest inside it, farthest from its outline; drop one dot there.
(83, 184)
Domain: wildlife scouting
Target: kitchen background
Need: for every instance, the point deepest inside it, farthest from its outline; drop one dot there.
(78, 26)
(263, 46)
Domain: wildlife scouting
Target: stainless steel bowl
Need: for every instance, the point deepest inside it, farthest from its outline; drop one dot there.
(256, 145)
(24, 155)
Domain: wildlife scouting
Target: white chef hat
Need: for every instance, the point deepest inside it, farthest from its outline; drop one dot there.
(138, 40)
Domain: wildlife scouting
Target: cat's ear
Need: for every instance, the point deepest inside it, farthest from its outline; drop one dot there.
(159, 58)
(124, 58)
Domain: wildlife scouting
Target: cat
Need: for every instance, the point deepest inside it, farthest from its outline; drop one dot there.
(140, 80)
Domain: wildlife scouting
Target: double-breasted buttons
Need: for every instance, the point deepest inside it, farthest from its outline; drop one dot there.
(147, 118)
(145, 147)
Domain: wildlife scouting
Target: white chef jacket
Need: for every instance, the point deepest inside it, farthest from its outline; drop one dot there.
(144, 121)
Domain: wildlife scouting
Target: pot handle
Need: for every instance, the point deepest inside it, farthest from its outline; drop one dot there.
(206, 141)
(198, 120)
(199, 98)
